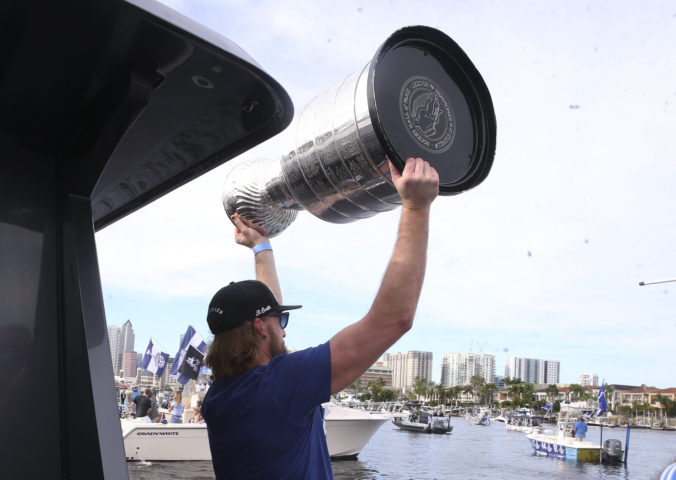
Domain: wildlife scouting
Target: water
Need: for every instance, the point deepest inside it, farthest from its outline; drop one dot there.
(470, 452)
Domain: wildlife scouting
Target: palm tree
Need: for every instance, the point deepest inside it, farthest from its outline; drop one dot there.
(577, 392)
(515, 391)
(467, 389)
(356, 386)
(376, 386)
(476, 381)
(432, 390)
(441, 393)
(420, 387)
(552, 392)
(486, 393)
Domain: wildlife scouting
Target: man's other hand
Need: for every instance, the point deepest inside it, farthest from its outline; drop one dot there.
(417, 184)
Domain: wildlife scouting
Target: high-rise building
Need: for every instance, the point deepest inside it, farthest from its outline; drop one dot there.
(588, 379)
(406, 366)
(459, 368)
(129, 364)
(533, 370)
(114, 341)
(126, 343)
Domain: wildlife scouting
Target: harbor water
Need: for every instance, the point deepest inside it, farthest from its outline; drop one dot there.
(469, 452)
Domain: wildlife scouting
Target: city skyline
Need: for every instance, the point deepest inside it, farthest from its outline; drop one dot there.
(424, 368)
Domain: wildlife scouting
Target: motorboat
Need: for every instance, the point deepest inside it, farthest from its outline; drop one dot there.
(563, 444)
(424, 422)
(482, 418)
(347, 432)
(524, 423)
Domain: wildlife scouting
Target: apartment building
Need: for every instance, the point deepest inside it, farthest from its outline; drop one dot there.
(459, 368)
(533, 370)
(588, 379)
(406, 366)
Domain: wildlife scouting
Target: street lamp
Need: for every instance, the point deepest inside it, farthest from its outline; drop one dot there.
(652, 282)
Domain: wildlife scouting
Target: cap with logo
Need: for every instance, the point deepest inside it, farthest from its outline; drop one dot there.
(239, 302)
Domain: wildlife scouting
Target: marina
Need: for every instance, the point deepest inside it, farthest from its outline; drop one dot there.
(466, 453)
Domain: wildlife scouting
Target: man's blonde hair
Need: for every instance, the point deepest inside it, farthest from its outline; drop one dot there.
(233, 352)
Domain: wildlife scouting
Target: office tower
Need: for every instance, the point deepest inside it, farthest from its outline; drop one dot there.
(114, 341)
(126, 343)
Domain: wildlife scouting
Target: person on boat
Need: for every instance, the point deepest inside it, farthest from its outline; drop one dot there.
(176, 408)
(142, 406)
(580, 429)
(263, 411)
(134, 394)
(154, 413)
(196, 411)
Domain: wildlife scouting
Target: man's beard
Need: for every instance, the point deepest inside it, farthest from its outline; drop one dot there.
(278, 349)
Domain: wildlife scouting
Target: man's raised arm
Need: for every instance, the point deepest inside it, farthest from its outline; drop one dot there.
(246, 234)
(355, 348)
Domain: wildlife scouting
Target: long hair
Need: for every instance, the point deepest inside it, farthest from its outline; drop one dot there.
(233, 352)
(178, 397)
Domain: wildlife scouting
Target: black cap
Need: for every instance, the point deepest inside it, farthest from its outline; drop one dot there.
(240, 302)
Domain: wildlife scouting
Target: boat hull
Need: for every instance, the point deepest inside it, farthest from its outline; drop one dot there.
(346, 437)
(347, 433)
(573, 450)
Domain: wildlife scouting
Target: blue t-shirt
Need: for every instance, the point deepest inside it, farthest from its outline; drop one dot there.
(177, 409)
(580, 428)
(268, 422)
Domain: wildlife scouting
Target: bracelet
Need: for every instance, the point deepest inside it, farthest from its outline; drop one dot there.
(261, 246)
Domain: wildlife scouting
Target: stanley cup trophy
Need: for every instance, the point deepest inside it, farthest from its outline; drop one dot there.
(420, 96)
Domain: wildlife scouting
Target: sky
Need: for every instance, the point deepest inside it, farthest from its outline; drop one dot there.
(541, 260)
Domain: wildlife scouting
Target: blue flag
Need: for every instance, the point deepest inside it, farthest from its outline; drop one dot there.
(603, 405)
(548, 406)
(148, 355)
(193, 338)
(154, 359)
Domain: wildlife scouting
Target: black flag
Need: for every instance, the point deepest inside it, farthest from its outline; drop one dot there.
(192, 362)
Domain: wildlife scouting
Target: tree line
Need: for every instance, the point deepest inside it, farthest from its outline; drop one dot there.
(520, 394)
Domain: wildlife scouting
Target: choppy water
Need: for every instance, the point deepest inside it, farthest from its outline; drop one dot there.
(470, 452)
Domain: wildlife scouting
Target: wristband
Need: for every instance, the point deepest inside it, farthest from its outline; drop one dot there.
(261, 246)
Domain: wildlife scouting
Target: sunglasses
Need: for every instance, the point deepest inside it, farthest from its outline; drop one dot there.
(283, 318)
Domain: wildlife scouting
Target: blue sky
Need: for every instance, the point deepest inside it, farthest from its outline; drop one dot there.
(542, 260)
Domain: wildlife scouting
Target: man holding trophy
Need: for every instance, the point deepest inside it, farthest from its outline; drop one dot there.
(263, 412)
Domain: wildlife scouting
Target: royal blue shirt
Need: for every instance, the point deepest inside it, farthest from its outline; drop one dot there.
(268, 422)
(580, 428)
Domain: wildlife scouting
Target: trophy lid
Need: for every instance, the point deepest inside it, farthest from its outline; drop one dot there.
(426, 99)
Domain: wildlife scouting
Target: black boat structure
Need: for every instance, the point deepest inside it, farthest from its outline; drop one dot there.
(424, 422)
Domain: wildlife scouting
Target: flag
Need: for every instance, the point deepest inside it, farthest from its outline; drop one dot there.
(193, 338)
(192, 362)
(548, 406)
(154, 360)
(603, 405)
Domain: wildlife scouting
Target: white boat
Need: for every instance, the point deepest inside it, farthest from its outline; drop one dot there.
(524, 423)
(564, 445)
(482, 418)
(347, 433)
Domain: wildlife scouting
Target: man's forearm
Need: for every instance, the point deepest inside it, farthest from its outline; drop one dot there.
(266, 272)
(400, 288)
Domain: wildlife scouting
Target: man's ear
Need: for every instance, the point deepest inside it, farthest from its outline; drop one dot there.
(258, 327)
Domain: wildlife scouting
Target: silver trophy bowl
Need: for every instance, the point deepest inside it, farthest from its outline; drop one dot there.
(419, 96)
